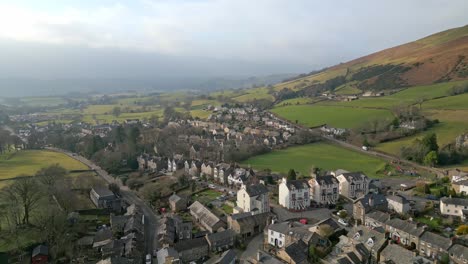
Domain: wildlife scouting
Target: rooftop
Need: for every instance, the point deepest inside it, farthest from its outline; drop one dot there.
(256, 189)
(456, 201)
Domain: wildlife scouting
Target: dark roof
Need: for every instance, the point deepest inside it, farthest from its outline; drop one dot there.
(405, 226)
(103, 192)
(378, 216)
(377, 200)
(297, 251)
(102, 235)
(253, 220)
(398, 199)
(174, 198)
(227, 257)
(344, 260)
(457, 201)
(327, 179)
(397, 254)
(297, 184)
(351, 176)
(434, 239)
(256, 189)
(223, 235)
(362, 250)
(353, 257)
(191, 243)
(240, 215)
(459, 251)
(40, 250)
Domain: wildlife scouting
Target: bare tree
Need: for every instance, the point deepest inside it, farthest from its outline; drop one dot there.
(50, 176)
(25, 193)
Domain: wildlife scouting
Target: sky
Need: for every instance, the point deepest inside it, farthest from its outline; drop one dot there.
(189, 38)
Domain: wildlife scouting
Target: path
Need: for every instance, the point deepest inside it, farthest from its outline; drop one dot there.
(151, 218)
(251, 251)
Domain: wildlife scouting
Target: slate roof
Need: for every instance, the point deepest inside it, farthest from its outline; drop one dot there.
(191, 243)
(174, 198)
(354, 176)
(398, 198)
(297, 184)
(353, 257)
(378, 216)
(103, 192)
(365, 234)
(256, 189)
(227, 257)
(163, 253)
(344, 260)
(459, 251)
(405, 226)
(397, 254)
(437, 240)
(221, 236)
(204, 214)
(456, 201)
(377, 200)
(252, 220)
(102, 235)
(40, 250)
(327, 180)
(296, 251)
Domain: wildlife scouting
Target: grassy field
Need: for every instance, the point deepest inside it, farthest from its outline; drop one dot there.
(30, 161)
(206, 196)
(336, 116)
(323, 155)
(296, 101)
(254, 94)
(451, 103)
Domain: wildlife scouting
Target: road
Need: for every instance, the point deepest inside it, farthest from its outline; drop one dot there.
(381, 155)
(250, 253)
(151, 219)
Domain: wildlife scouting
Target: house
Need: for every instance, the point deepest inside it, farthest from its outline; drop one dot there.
(104, 198)
(376, 220)
(433, 246)
(458, 254)
(460, 187)
(177, 203)
(40, 255)
(374, 241)
(398, 203)
(192, 250)
(166, 231)
(228, 257)
(396, 254)
(183, 228)
(286, 233)
(167, 255)
(454, 206)
(246, 224)
(221, 241)
(207, 169)
(404, 232)
(296, 253)
(102, 237)
(294, 194)
(253, 198)
(367, 203)
(206, 218)
(324, 189)
(352, 184)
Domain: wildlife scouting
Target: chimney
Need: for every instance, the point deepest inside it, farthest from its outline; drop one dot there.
(371, 200)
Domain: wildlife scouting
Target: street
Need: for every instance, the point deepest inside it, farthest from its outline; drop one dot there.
(151, 219)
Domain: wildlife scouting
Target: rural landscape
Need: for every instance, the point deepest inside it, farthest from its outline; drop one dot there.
(364, 161)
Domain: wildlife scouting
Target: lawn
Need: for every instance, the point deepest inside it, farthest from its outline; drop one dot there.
(206, 196)
(336, 116)
(323, 155)
(30, 161)
(227, 209)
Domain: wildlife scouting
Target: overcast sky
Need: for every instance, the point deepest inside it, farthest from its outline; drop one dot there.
(135, 38)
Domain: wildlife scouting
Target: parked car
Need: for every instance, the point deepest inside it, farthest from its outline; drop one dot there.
(343, 222)
(148, 259)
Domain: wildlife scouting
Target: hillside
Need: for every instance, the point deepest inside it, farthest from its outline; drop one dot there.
(437, 58)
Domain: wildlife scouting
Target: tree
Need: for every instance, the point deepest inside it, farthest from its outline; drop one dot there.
(292, 174)
(431, 158)
(116, 111)
(113, 187)
(49, 176)
(24, 192)
(462, 230)
(430, 141)
(427, 189)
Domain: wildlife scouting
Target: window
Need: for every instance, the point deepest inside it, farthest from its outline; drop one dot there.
(272, 232)
(294, 196)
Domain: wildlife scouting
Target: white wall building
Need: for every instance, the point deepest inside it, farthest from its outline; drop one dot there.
(324, 189)
(352, 184)
(294, 194)
(454, 206)
(253, 198)
(398, 204)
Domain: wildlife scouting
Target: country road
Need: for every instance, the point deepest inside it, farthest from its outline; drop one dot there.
(151, 219)
(385, 156)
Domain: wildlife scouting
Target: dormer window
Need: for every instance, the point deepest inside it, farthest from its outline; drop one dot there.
(356, 236)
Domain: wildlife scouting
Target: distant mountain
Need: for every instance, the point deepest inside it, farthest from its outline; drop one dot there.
(437, 58)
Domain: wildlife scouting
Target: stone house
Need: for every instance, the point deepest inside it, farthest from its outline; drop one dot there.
(454, 207)
(207, 169)
(104, 198)
(192, 250)
(460, 187)
(206, 218)
(433, 246)
(324, 189)
(376, 220)
(247, 225)
(296, 253)
(367, 203)
(352, 184)
(183, 228)
(177, 203)
(395, 254)
(398, 203)
(294, 194)
(221, 241)
(373, 240)
(404, 232)
(253, 198)
(458, 254)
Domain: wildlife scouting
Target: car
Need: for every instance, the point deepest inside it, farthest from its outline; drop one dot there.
(211, 186)
(343, 222)
(148, 259)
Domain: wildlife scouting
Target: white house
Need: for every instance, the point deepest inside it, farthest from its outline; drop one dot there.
(324, 189)
(294, 194)
(352, 184)
(398, 204)
(454, 206)
(460, 187)
(253, 198)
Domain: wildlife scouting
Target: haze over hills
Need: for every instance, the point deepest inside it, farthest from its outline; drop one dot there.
(440, 57)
